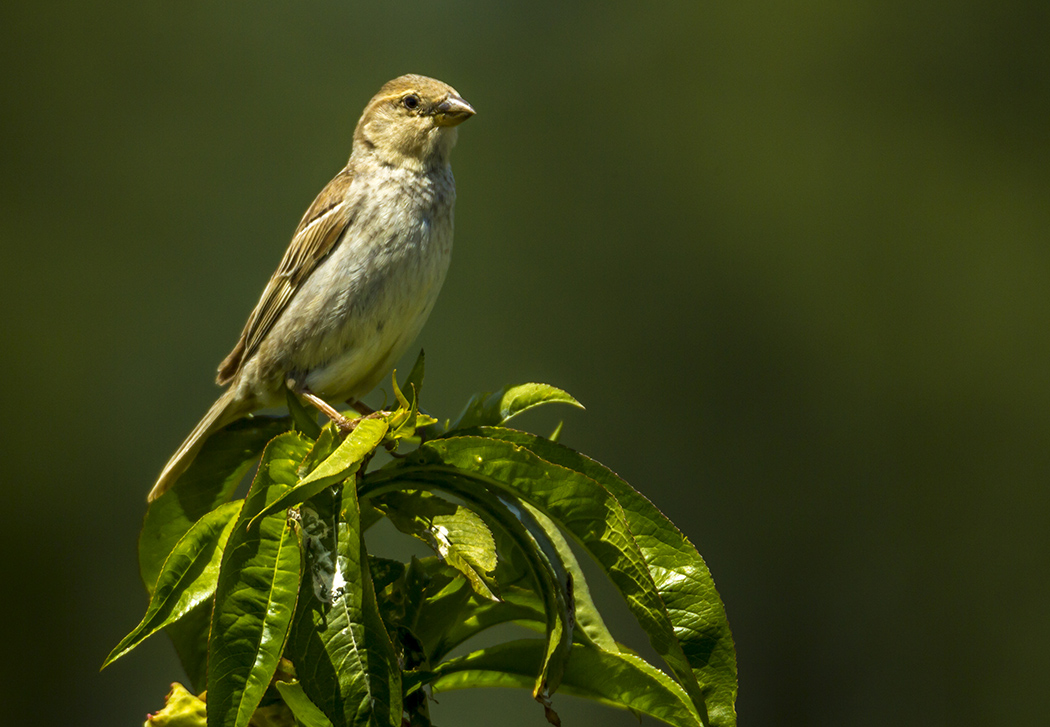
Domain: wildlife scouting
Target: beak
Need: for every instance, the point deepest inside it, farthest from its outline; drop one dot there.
(452, 111)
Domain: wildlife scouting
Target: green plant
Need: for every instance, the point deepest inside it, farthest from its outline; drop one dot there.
(278, 611)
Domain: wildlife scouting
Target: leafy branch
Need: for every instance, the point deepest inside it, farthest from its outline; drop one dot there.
(278, 611)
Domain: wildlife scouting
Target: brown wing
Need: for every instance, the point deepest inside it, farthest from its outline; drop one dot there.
(320, 229)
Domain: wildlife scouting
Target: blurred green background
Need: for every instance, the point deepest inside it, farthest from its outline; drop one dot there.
(793, 258)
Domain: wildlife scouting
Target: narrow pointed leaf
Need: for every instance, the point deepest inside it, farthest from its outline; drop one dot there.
(343, 655)
(556, 434)
(456, 534)
(494, 409)
(342, 463)
(519, 604)
(304, 419)
(678, 571)
(415, 376)
(306, 712)
(619, 680)
(256, 593)
(474, 615)
(589, 622)
(208, 483)
(546, 568)
(324, 446)
(187, 578)
(384, 671)
(585, 509)
(407, 420)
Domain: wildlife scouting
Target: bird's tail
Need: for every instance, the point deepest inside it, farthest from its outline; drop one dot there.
(228, 408)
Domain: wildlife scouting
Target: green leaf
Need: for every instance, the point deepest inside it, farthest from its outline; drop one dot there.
(556, 434)
(384, 671)
(256, 593)
(306, 712)
(619, 680)
(466, 543)
(589, 622)
(588, 510)
(190, 638)
(681, 577)
(401, 420)
(324, 446)
(434, 595)
(494, 409)
(474, 615)
(181, 709)
(456, 534)
(305, 420)
(343, 656)
(208, 482)
(544, 562)
(343, 462)
(187, 578)
(414, 382)
(406, 419)
(520, 604)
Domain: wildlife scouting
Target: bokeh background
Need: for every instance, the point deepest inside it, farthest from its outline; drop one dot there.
(793, 257)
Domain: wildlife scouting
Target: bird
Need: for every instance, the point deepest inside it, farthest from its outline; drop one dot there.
(361, 273)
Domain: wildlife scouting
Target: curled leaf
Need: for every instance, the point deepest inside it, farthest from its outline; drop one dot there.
(495, 409)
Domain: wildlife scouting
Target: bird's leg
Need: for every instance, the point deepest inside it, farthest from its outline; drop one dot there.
(344, 424)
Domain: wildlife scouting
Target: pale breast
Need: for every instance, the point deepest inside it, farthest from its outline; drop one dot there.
(366, 302)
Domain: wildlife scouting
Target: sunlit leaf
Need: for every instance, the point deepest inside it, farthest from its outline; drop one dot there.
(588, 510)
(494, 409)
(256, 593)
(208, 482)
(678, 572)
(548, 571)
(465, 542)
(455, 533)
(306, 712)
(556, 434)
(414, 381)
(343, 462)
(181, 709)
(343, 655)
(187, 578)
(616, 679)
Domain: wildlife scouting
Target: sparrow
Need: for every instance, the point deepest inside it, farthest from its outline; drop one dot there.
(361, 273)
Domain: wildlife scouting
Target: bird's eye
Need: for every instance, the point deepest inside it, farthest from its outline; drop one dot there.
(411, 101)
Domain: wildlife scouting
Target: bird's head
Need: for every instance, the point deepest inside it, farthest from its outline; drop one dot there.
(412, 122)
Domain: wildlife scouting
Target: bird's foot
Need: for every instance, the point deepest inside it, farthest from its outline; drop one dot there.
(348, 425)
(370, 415)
